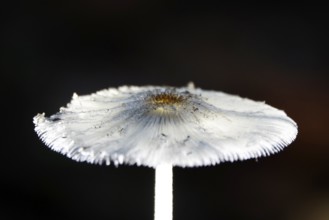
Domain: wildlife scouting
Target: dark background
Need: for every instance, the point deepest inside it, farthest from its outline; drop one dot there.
(51, 49)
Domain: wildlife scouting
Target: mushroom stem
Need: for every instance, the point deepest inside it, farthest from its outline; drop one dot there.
(163, 200)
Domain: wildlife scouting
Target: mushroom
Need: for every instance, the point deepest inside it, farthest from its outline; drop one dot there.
(162, 127)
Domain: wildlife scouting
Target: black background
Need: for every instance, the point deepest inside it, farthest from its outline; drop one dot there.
(51, 49)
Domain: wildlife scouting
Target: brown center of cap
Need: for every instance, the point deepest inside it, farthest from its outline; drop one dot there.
(166, 99)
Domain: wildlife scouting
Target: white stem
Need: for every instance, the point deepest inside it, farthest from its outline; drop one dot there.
(163, 200)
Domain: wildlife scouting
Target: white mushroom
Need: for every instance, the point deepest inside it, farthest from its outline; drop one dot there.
(162, 127)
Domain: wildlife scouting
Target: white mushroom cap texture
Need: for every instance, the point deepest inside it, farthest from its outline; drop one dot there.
(152, 125)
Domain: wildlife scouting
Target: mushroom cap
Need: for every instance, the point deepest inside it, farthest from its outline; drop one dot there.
(153, 125)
